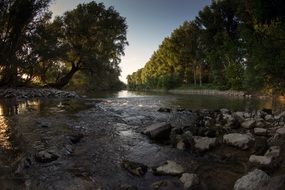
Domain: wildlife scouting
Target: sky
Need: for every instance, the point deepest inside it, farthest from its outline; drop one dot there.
(149, 22)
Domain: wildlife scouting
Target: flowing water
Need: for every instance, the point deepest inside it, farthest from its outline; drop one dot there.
(111, 124)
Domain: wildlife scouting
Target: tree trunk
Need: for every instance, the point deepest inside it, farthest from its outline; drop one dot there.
(65, 79)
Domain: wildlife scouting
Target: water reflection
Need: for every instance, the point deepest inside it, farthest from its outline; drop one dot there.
(5, 143)
(13, 107)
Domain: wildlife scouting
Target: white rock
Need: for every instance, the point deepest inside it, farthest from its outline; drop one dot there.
(281, 131)
(282, 114)
(260, 124)
(269, 118)
(170, 168)
(273, 152)
(250, 123)
(225, 111)
(180, 145)
(247, 115)
(189, 180)
(238, 140)
(260, 131)
(252, 181)
(203, 143)
(260, 160)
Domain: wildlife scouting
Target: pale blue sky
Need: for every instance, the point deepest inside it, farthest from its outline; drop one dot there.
(149, 22)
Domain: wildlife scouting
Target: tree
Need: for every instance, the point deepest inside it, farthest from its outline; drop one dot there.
(90, 38)
(18, 19)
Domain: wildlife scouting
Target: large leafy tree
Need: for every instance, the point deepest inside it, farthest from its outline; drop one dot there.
(90, 39)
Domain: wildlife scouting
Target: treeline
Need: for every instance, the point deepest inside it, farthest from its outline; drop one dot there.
(232, 44)
(81, 49)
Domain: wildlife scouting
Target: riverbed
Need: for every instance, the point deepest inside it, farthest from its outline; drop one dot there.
(91, 136)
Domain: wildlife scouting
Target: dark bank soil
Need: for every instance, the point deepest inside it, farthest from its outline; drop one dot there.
(80, 144)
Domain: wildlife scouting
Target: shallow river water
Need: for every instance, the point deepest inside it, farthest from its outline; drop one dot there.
(111, 125)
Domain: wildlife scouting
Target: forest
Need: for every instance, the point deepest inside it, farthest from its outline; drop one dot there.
(231, 44)
(80, 49)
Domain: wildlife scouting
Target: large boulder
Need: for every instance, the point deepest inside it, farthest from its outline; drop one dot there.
(169, 168)
(203, 143)
(252, 181)
(238, 140)
(158, 131)
(275, 183)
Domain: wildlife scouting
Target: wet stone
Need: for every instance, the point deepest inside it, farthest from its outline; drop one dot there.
(170, 168)
(46, 156)
(158, 131)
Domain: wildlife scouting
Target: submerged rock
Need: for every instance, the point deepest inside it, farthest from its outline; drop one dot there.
(134, 168)
(252, 181)
(170, 168)
(158, 131)
(238, 140)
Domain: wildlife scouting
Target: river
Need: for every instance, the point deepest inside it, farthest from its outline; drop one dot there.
(111, 125)
(195, 102)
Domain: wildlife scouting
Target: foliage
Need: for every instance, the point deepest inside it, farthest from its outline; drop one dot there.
(89, 39)
(231, 44)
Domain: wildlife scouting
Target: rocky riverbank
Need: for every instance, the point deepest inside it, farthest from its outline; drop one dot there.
(29, 93)
(134, 143)
(258, 139)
